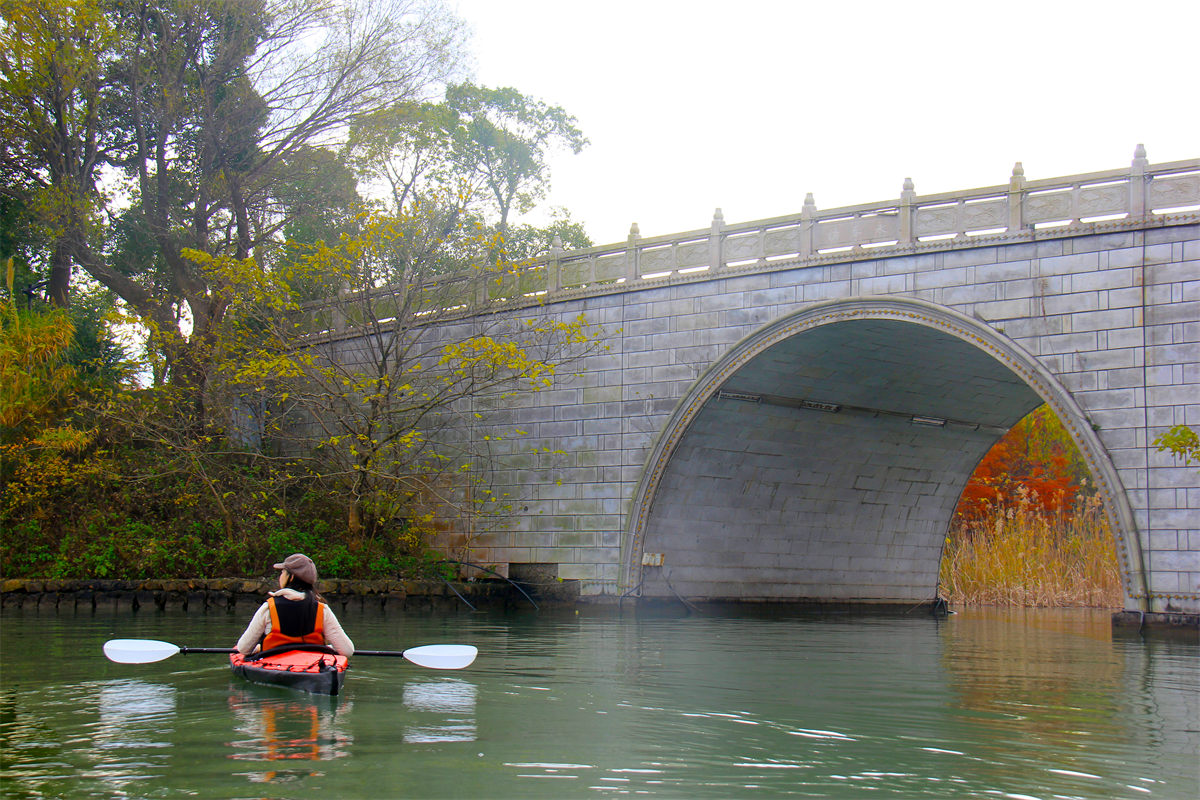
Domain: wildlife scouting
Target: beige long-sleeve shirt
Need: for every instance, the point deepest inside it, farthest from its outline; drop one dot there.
(260, 625)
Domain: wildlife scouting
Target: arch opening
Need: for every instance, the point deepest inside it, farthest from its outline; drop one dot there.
(1031, 493)
(821, 460)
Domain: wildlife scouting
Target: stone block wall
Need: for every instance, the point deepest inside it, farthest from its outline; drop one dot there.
(1073, 301)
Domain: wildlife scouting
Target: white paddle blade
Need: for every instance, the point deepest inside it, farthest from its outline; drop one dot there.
(442, 656)
(138, 651)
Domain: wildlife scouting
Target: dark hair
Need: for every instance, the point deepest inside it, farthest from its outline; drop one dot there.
(304, 586)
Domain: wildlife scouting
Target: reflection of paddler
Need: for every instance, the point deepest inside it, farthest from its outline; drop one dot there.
(285, 732)
(305, 747)
(295, 614)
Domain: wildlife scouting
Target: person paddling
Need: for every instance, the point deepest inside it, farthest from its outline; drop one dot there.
(295, 613)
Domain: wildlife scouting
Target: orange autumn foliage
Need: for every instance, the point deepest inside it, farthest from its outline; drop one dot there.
(1029, 530)
(1036, 456)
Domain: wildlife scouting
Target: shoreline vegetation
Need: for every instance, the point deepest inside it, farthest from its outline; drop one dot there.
(1021, 555)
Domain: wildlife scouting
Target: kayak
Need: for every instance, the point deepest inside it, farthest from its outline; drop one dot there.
(306, 668)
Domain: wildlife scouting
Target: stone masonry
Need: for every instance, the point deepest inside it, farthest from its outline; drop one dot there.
(789, 409)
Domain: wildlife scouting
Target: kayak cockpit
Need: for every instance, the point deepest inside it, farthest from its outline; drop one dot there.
(307, 668)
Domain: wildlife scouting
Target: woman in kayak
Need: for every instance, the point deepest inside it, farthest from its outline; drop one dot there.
(295, 613)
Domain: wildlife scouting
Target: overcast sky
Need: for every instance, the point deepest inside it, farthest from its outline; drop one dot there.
(747, 105)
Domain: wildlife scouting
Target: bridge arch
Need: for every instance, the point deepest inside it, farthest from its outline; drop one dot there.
(821, 458)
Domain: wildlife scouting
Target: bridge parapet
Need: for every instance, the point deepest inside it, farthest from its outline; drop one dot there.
(1016, 211)
(1020, 210)
(915, 222)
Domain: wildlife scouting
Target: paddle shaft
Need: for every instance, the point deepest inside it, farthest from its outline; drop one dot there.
(148, 651)
(227, 650)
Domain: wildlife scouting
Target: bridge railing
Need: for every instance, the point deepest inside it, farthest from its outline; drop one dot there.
(1001, 210)
(911, 223)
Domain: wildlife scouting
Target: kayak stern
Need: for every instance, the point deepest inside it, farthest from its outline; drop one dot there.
(317, 673)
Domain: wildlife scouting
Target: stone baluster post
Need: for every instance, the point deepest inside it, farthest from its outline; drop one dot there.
(1016, 198)
(483, 287)
(554, 265)
(632, 273)
(1137, 183)
(715, 261)
(337, 317)
(808, 224)
(908, 197)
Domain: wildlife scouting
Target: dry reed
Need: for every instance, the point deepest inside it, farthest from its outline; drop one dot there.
(1019, 554)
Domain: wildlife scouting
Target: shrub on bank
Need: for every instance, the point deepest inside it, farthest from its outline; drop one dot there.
(135, 550)
(128, 515)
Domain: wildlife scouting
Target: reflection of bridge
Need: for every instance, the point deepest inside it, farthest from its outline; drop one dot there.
(790, 408)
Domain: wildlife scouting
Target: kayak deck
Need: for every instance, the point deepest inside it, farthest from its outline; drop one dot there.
(320, 672)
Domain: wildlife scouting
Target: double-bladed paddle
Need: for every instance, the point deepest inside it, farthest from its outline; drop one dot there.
(433, 656)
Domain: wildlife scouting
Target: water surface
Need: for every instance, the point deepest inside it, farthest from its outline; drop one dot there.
(1017, 704)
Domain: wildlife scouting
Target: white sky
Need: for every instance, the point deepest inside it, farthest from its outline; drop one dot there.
(748, 104)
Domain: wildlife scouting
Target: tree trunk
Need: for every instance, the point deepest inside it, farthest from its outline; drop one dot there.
(59, 289)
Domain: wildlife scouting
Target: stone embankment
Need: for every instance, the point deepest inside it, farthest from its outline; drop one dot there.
(245, 594)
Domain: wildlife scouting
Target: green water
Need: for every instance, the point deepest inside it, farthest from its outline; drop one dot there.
(1001, 704)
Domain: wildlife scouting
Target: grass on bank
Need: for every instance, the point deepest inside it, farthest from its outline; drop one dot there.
(1019, 554)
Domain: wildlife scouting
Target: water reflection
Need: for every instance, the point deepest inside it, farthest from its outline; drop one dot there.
(979, 705)
(292, 729)
(446, 708)
(122, 735)
(1034, 688)
(131, 739)
(134, 714)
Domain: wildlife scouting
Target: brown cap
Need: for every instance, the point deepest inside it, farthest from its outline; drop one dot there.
(301, 566)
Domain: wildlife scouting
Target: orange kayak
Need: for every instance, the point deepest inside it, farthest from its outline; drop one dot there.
(307, 668)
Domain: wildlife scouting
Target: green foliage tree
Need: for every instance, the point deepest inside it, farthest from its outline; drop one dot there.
(489, 147)
(215, 112)
(21, 241)
(38, 389)
(57, 123)
(525, 241)
(503, 140)
(406, 150)
(199, 135)
(321, 195)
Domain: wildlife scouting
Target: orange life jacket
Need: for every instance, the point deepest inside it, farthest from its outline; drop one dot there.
(276, 638)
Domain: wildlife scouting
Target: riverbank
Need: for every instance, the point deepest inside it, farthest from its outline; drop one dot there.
(227, 594)
(246, 594)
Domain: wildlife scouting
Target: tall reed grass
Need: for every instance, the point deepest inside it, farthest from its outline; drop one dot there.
(1017, 553)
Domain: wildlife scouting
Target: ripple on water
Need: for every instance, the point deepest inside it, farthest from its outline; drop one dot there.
(698, 707)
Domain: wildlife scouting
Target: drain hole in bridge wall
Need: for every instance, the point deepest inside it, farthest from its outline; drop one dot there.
(533, 573)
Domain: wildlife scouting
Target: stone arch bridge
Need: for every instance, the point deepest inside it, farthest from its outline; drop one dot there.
(790, 408)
